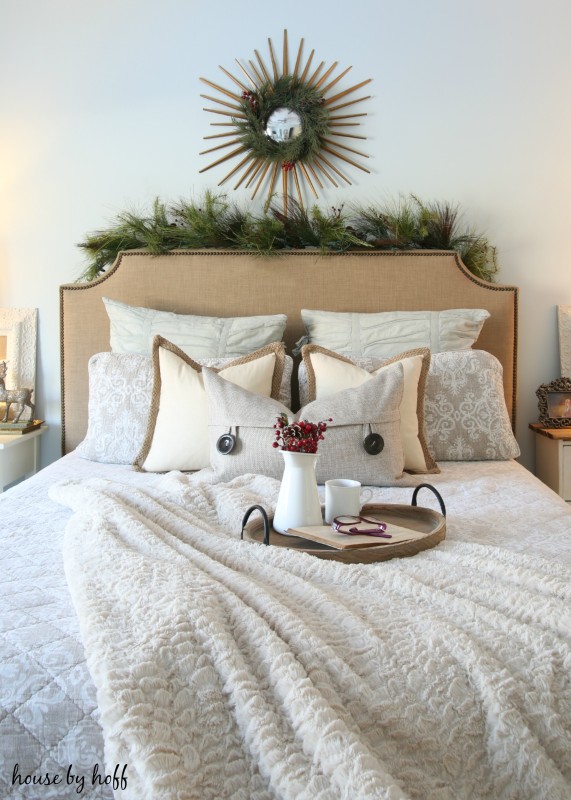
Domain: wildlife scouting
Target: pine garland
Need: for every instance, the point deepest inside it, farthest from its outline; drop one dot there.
(408, 224)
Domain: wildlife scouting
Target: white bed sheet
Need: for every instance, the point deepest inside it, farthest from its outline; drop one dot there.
(49, 718)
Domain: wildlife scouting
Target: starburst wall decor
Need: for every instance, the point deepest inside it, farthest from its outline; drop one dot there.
(286, 121)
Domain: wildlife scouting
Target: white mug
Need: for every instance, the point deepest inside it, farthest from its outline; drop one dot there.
(342, 498)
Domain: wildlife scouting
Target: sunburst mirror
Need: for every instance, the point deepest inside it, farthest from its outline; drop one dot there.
(286, 121)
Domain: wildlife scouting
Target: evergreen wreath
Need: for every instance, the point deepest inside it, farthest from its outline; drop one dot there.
(320, 147)
(291, 93)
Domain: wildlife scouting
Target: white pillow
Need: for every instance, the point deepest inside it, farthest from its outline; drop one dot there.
(388, 333)
(133, 329)
(329, 373)
(120, 389)
(177, 432)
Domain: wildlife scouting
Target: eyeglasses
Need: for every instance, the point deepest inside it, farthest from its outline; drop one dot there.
(347, 525)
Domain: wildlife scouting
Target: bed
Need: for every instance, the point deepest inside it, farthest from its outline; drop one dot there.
(148, 652)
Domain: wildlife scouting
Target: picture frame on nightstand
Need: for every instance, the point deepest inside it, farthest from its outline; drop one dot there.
(554, 403)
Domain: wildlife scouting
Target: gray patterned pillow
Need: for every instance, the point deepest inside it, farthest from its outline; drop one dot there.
(120, 387)
(465, 414)
(371, 407)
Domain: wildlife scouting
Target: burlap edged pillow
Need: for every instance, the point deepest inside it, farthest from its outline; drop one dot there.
(177, 431)
(328, 372)
(356, 413)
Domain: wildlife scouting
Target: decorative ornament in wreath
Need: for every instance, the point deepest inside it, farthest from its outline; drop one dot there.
(554, 401)
(286, 122)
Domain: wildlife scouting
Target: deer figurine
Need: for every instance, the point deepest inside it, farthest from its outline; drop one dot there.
(19, 397)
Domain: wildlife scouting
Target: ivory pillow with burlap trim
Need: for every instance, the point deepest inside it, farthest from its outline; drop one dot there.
(177, 431)
(323, 372)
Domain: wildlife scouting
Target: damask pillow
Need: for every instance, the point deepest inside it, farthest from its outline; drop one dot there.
(355, 413)
(388, 333)
(133, 329)
(465, 412)
(120, 390)
(177, 432)
(322, 373)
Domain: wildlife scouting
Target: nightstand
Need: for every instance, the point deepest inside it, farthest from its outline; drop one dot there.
(19, 456)
(553, 458)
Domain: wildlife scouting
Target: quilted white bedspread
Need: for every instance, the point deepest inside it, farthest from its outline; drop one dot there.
(234, 670)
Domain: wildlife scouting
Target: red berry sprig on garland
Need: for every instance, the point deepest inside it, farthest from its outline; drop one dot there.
(287, 166)
(299, 437)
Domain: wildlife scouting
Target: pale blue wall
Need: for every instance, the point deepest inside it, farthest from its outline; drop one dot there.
(100, 110)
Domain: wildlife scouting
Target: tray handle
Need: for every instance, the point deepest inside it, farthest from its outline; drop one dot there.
(264, 519)
(433, 490)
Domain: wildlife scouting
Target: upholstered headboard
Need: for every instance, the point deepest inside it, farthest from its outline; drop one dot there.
(229, 283)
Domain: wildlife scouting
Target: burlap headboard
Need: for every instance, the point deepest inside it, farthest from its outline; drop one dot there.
(232, 283)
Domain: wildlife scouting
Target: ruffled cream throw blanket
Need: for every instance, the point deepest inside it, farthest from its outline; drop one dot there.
(233, 670)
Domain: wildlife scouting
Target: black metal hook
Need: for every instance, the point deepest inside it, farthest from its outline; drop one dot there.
(265, 520)
(433, 490)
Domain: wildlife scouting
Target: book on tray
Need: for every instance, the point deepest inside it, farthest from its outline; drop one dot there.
(324, 534)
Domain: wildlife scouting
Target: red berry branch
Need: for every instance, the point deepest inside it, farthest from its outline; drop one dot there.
(299, 437)
(252, 100)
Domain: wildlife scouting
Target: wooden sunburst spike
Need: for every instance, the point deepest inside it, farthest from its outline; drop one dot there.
(285, 121)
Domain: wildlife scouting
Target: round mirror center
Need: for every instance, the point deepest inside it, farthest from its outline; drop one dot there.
(283, 125)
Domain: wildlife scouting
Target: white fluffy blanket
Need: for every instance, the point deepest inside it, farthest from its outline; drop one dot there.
(233, 670)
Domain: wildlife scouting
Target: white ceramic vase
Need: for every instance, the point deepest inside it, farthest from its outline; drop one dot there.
(298, 500)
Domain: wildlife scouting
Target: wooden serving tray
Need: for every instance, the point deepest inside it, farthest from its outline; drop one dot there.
(424, 520)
